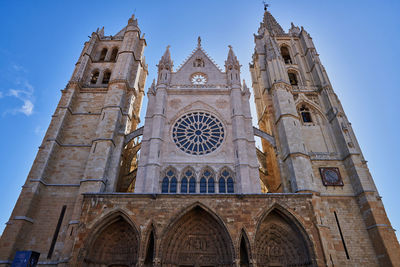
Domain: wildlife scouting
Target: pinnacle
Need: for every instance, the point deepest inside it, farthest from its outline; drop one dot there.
(166, 58)
(231, 57)
(271, 24)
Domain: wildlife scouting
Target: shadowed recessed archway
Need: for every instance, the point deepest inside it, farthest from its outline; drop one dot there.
(116, 243)
(281, 241)
(197, 239)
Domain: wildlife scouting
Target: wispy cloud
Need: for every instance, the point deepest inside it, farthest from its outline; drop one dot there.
(39, 130)
(22, 90)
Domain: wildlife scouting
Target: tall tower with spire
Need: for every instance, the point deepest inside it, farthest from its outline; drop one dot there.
(81, 151)
(317, 151)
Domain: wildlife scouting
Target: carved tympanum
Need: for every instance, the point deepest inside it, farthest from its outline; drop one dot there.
(279, 242)
(197, 239)
(116, 245)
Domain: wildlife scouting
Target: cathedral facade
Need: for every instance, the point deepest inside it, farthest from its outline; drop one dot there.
(190, 188)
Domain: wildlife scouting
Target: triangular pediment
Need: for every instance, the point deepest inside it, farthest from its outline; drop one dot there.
(199, 62)
(198, 53)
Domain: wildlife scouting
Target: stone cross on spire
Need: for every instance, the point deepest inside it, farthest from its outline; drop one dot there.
(198, 41)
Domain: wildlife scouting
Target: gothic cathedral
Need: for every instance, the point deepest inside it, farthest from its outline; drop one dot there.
(190, 188)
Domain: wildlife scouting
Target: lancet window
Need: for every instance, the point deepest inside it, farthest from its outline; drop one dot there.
(169, 182)
(207, 184)
(187, 176)
(225, 181)
(103, 54)
(286, 55)
(305, 114)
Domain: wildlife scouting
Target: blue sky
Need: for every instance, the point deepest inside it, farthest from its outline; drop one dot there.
(357, 41)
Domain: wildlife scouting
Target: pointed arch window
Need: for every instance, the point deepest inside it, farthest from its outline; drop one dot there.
(225, 181)
(114, 54)
(286, 55)
(222, 187)
(211, 185)
(165, 185)
(184, 185)
(293, 78)
(95, 77)
(305, 114)
(207, 184)
(172, 188)
(169, 182)
(203, 185)
(103, 54)
(192, 185)
(187, 175)
(230, 185)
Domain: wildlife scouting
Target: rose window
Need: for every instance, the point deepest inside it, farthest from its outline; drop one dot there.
(198, 133)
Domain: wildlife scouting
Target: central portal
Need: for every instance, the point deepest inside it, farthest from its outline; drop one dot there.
(197, 239)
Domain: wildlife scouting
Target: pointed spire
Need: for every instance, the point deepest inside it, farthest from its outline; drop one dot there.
(245, 88)
(166, 58)
(100, 32)
(271, 24)
(152, 88)
(231, 60)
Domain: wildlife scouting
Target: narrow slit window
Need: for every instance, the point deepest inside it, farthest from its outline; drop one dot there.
(341, 236)
(56, 232)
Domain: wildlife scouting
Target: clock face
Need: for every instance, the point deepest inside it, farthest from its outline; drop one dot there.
(331, 176)
(199, 79)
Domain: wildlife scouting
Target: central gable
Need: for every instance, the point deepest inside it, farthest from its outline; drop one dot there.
(199, 63)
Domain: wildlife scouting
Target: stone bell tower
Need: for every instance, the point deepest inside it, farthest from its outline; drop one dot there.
(81, 151)
(317, 151)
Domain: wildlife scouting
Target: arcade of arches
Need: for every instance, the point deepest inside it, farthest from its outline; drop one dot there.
(196, 236)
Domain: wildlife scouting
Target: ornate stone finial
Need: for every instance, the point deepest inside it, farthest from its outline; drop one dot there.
(230, 47)
(198, 41)
(265, 6)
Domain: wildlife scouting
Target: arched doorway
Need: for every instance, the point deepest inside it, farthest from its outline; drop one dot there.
(281, 242)
(197, 239)
(116, 245)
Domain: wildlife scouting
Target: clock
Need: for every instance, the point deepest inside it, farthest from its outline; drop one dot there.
(198, 79)
(330, 176)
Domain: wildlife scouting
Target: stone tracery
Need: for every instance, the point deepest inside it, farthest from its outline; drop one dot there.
(116, 245)
(197, 239)
(279, 242)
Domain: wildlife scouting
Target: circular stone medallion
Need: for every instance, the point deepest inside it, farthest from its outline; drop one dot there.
(198, 133)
